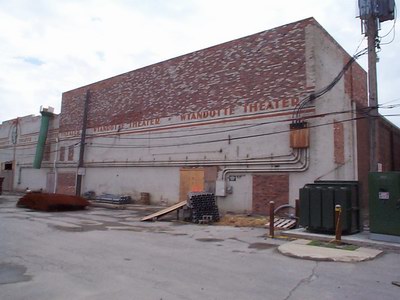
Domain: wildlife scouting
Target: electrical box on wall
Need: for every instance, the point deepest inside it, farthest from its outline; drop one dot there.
(220, 188)
(299, 135)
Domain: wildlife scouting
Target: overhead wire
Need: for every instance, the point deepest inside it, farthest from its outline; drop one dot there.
(393, 28)
(323, 91)
(364, 111)
(225, 139)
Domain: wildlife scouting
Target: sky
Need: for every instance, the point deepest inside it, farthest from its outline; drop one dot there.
(48, 47)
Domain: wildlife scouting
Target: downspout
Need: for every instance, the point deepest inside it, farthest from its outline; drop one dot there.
(44, 127)
(55, 167)
(355, 140)
(82, 145)
(14, 139)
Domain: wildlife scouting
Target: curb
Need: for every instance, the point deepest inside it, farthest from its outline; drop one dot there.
(301, 249)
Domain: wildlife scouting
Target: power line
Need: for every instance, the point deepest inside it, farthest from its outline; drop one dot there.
(323, 91)
(228, 139)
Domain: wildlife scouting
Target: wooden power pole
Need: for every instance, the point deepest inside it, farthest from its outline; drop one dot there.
(372, 32)
(81, 169)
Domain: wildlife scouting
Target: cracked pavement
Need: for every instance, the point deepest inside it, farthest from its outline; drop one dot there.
(108, 254)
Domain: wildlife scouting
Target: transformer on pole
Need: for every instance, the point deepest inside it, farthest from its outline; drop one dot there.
(372, 13)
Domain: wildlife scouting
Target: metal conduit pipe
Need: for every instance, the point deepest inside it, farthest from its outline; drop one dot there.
(258, 162)
(185, 164)
(303, 167)
(55, 167)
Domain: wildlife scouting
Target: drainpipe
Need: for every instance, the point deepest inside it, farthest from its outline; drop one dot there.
(82, 146)
(44, 126)
(14, 139)
(55, 167)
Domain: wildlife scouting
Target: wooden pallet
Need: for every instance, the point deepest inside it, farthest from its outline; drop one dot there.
(164, 211)
(283, 223)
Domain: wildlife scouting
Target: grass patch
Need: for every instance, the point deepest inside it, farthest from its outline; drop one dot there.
(347, 247)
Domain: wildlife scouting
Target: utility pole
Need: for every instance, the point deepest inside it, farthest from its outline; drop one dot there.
(372, 13)
(82, 146)
(372, 32)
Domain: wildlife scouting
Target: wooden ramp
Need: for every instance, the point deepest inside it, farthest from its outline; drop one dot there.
(282, 223)
(164, 211)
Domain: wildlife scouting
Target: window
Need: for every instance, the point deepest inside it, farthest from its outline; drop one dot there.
(71, 152)
(46, 154)
(8, 166)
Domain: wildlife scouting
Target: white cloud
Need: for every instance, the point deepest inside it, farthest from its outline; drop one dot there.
(49, 47)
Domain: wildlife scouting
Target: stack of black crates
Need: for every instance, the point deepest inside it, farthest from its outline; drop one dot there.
(203, 208)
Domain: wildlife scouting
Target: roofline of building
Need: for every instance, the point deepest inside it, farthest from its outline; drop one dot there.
(309, 19)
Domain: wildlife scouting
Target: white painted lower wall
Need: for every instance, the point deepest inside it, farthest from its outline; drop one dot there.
(162, 182)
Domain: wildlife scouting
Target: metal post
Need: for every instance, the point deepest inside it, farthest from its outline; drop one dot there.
(372, 93)
(338, 225)
(297, 211)
(82, 145)
(271, 218)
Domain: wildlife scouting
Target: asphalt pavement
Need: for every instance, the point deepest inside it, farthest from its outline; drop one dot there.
(102, 253)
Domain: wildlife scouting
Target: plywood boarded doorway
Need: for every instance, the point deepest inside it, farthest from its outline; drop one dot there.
(191, 180)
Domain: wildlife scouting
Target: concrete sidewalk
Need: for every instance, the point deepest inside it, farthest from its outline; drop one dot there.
(360, 239)
(301, 249)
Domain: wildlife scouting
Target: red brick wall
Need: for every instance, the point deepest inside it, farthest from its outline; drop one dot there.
(389, 146)
(338, 141)
(388, 151)
(66, 183)
(266, 65)
(269, 188)
(396, 150)
(355, 83)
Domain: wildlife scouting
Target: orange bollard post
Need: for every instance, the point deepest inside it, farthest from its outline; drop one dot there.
(271, 218)
(338, 225)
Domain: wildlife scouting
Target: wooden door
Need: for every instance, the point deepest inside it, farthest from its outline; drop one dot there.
(191, 180)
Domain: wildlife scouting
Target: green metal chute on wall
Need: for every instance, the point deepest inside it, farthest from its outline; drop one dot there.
(44, 127)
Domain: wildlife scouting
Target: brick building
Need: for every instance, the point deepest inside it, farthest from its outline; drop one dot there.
(218, 119)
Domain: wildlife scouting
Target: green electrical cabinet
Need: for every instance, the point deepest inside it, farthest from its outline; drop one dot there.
(317, 206)
(384, 203)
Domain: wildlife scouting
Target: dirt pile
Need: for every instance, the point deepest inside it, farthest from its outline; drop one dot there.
(52, 202)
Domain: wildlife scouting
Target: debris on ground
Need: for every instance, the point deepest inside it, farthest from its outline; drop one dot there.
(283, 223)
(52, 202)
(199, 208)
(164, 211)
(114, 199)
(107, 205)
(108, 198)
(202, 207)
(396, 283)
(243, 220)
